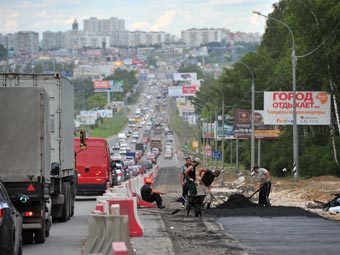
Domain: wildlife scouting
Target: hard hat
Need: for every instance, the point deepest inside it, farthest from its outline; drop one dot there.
(197, 160)
(148, 181)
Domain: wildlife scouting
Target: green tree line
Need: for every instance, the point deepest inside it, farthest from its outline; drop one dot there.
(316, 26)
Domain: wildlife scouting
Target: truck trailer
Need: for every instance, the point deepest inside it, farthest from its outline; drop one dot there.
(57, 186)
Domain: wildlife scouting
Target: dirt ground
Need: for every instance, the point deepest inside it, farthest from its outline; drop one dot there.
(201, 235)
(285, 191)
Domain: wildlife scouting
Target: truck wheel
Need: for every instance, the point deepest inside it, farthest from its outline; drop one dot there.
(39, 235)
(70, 198)
(27, 237)
(66, 207)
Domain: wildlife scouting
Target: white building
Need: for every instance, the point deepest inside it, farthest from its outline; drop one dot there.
(197, 37)
(26, 42)
(113, 27)
(53, 40)
(72, 39)
(94, 41)
(7, 41)
(137, 38)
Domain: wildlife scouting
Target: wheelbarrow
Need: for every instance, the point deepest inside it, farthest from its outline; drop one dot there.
(195, 202)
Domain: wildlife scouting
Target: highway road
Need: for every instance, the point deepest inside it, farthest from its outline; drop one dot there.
(65, 238)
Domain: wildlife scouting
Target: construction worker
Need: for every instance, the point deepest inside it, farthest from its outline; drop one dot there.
(207, 178)
(185, 189)
(263, 176)
(190, 176)
(151, 195)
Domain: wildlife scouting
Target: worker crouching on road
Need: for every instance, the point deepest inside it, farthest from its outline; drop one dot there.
(263, 176)
(190, 176)
(207, 178)
(151, 195)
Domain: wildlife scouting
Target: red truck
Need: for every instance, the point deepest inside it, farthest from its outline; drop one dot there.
(93, 165)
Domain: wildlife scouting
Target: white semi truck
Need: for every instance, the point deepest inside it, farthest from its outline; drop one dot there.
(36, 149)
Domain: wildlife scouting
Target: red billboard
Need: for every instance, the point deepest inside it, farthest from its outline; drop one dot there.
(189, 90)
(101, 84)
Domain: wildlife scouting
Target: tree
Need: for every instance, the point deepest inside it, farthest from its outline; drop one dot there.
(315, 25)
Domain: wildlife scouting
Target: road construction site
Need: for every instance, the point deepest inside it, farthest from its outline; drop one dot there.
(235, 226)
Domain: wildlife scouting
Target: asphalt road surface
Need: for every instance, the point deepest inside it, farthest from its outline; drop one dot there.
(65, 238)
(284, 235)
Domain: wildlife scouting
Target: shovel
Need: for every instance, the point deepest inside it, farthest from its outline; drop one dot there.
(253, 194)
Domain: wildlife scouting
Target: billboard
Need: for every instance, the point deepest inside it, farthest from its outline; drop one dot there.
(312, 108)
(185, 76)
(208, 130)
(175, 91)
(87, 117)
(182, 91)
(189, 90)
(242, 125)
(117, 86)
(99, 84)
(228, 127)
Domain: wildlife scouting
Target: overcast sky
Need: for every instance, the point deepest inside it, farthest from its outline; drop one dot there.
(148, 15)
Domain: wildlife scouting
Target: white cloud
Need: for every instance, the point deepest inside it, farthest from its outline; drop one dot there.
(8, 20)
(140, 25)
(164, 21)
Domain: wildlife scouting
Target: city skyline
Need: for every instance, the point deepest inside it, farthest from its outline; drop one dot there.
(171, 16)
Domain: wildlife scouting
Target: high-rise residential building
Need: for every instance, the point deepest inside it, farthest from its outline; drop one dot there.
(137, 38)
(94, 41)
(113, 27)
(53, 40)
(72, 39)
(197, 37)
(75, 25)
(26, 42)
(7, 41)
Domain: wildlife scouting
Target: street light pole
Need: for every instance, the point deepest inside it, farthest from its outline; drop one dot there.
(252, 154)
(295, 127)
(223, 119)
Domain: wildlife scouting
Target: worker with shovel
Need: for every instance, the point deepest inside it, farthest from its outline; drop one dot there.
(206, 179)
(263, 176)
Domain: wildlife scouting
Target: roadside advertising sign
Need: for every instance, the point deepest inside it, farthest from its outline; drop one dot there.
(105, 113)
(87, 117)
(175, 91)
(216, 155)
(195, 144)
(208, 150)
(242, 125)
(228, 127)
(98, 84)
(117, 86)
(312, 108)
(208, 130)
(185, 76)
(189, 90)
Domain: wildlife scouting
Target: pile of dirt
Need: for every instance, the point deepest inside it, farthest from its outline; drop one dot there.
(237, 201)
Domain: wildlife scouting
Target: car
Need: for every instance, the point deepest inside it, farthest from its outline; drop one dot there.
(133, 140)
(147, 165)
(151, 156)
(115, 146)
(135, 135)
(168, 154)
(10, 223)
(155, 151)
(129, 160)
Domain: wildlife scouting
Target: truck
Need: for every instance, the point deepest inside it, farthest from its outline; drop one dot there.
(52, 192)
(93, 165)
(156, 142)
